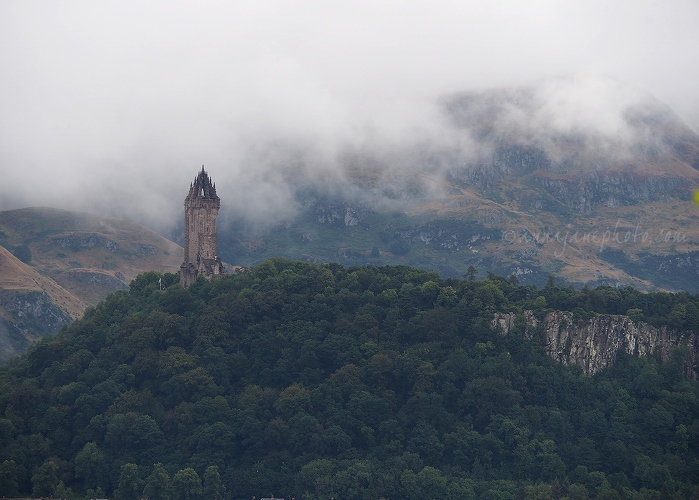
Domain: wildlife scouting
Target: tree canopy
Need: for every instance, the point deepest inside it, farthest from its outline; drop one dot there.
(358, 383)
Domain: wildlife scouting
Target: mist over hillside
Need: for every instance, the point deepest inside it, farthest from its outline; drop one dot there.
(110, 108)
(567, 126)
(495, 138)
(584, 178)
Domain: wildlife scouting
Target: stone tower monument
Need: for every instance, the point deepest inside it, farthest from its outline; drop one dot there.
(200, 240)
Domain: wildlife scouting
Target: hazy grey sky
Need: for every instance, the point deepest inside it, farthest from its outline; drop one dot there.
(101, 100)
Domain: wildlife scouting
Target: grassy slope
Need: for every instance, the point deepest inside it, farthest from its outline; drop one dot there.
(87, 255)
(16, 276)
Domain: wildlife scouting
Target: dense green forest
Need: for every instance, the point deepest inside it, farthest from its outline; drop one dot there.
(310, 381)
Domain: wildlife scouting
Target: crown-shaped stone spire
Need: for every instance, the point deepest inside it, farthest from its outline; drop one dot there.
(202, 187)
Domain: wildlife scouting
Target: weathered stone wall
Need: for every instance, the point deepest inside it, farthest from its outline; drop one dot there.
(200, 226)
(593, 345)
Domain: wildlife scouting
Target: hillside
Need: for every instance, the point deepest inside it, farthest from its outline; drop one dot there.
(592, 186)
(31, 305)
(319, 381)
(54, 263)
(20, 277)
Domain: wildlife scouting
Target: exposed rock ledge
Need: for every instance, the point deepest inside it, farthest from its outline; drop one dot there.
(593, 345)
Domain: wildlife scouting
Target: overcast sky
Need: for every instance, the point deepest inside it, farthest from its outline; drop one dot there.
(106, 100)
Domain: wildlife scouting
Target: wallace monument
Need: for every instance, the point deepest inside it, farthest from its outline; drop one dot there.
(200, 240)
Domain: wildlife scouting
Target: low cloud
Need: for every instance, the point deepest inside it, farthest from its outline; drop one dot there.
(113, 107)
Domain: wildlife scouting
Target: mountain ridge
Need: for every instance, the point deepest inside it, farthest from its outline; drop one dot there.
(606, 181)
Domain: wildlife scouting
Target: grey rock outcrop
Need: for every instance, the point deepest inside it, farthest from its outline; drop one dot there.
(593, 345)
(77, 242)
(612, 189)
(33, 315)
(340, 213)
(37, 313)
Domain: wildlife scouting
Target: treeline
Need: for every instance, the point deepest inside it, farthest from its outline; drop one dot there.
(313, 381)
(677, 310)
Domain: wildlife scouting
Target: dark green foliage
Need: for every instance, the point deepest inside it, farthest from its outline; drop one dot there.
(213, 487)
(45, 480)
(186, 485)
(363, 382)
(91, 467)
(9, 485)
(130, 483)
(158, 485)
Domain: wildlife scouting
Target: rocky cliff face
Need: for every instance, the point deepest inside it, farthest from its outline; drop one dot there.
(593, 345)
(340, 213)
(611, 189)
(33, 315)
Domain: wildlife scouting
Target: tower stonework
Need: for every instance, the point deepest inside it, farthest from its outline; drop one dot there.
(200, 239)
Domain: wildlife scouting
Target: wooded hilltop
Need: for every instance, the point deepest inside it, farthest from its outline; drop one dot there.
(320, 381)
